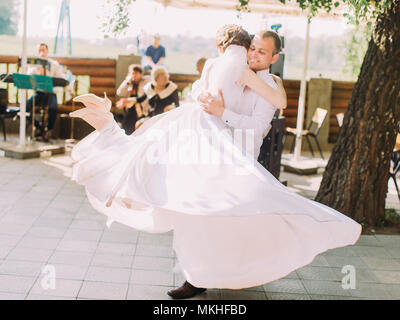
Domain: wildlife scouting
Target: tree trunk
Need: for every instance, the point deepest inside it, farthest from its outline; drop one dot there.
(356, 178)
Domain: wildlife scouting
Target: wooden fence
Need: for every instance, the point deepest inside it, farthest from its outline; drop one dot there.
(100, 75)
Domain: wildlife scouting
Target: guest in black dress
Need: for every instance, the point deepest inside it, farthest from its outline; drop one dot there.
(161, 93)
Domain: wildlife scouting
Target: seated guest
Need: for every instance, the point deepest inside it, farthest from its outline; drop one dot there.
(46, 98)
(200, 65)
(133, 99)
(155, 54)
(162, 93)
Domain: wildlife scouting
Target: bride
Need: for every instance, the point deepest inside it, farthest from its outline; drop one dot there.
(235, 226)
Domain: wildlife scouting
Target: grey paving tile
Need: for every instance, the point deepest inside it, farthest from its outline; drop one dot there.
(319, 261)
(90, 215)
(71, 258)
(12, 296)
(287, 296)
(343, 251)
(13, 229)
(394, 252)
(154, 251)
(391, 277)
(151, 277)
(58, 213)
(141, 292)
(370, 290)
(83, 235)
(21, 268)
(155, 239)
(11, 218)
(53, 222)
(327, 297)
(29, 254)
(394, 290)
(120, 237)
(71, 203)
(369, 240)
(102, 274)
(382, 263)
(152, 263)
(47, 232)
(389, 240)
(362, 275)
(372, 252)
(256, 288)
(285, 286)
(69, 272)
(77, 245)
(5, 250)
(325, 287)
(112, 260)
(209, 294)
(32, 296)
(127, 249)
(337, 261)
(292, 275)
(242, 295)
(316, 273)
(63, 288)
(103, 290)
(87, 224)
(15, 284)
(7, 240)
(23, 210)
(179, 279)
(39, 243)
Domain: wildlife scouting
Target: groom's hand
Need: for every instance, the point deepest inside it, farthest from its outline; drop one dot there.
(212, 105)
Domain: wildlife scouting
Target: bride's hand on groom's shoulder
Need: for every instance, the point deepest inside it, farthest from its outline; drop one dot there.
(211, 105)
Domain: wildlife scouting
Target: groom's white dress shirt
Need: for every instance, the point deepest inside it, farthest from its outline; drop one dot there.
(255, 113)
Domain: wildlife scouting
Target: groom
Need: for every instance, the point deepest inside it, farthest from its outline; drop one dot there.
(256, 113)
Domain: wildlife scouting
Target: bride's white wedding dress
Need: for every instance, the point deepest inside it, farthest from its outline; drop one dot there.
(235, 225)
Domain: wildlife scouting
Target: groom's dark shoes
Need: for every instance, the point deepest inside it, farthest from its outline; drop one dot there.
(185, 291)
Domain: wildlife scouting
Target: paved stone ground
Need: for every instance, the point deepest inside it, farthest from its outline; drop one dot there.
(46, 220)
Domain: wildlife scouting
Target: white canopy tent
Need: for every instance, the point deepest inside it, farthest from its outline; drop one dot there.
(270, 7)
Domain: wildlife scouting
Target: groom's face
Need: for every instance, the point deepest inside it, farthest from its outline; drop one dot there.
(261, 53)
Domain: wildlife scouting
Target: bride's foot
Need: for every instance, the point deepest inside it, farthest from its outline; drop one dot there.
(96, 120)
(185, 291)
(97, 112)
(94, 102)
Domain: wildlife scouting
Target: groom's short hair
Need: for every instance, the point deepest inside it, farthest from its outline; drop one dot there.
(272, 34)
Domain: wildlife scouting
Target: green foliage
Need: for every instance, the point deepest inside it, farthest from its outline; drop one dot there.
(358, 10)
(116, 19)
(8, 17)
(356, 46)
(392, 217)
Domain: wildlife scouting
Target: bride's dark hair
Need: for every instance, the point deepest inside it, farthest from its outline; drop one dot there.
(232, 34)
